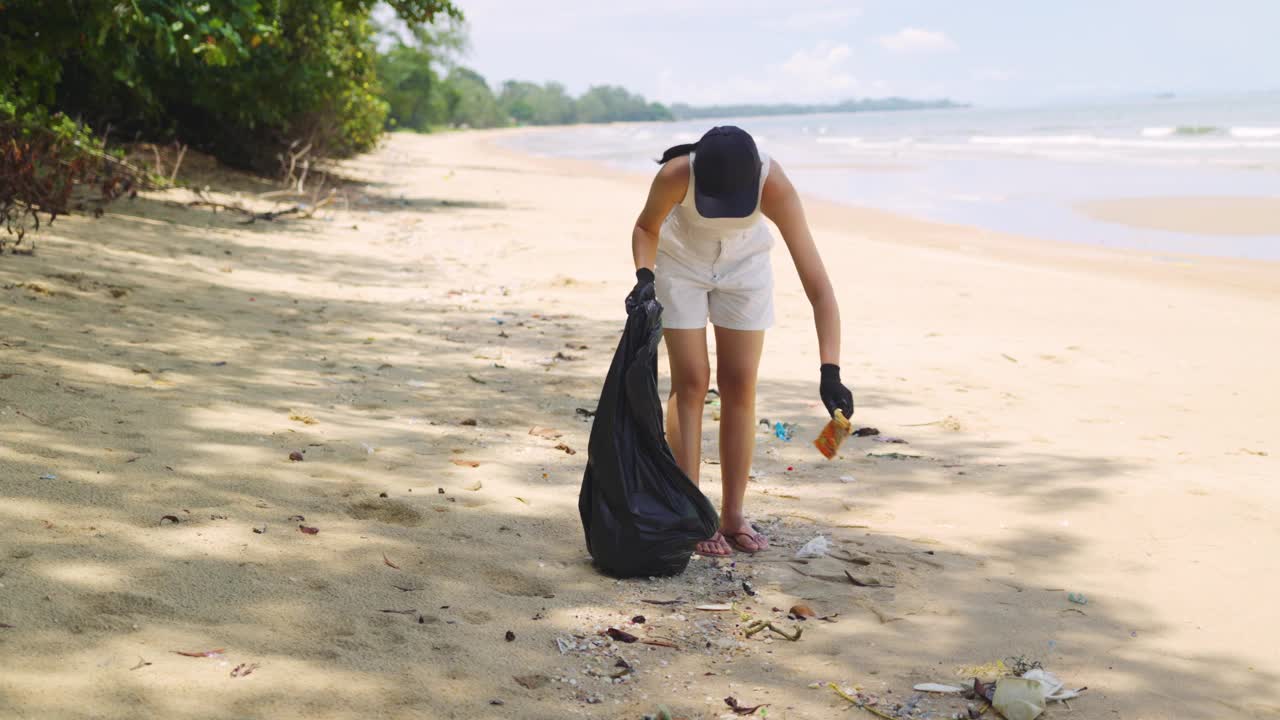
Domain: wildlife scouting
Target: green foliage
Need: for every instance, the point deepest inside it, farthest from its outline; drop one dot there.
(470, 101)
(610, 103)
(410, 78)
(426, 88)
(242, 79)
(530, 104)
(43, 158)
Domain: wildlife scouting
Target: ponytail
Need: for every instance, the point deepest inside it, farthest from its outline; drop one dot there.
(677, 151)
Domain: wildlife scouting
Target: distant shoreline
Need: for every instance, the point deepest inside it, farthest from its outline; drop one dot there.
(681, 111)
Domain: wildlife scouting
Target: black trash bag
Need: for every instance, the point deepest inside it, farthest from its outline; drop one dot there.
(641, 513)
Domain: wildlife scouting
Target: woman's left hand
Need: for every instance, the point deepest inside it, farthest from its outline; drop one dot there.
(834, 393)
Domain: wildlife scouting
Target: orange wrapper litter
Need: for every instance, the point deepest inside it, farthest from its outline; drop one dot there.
(832, 435)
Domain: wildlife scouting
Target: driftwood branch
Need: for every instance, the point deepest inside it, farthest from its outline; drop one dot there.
(173, 176)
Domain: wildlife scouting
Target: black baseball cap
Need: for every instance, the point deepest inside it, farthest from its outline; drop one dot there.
(726, 171)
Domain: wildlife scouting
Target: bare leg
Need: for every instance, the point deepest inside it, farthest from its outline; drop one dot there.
(737, 366)
(690, 378)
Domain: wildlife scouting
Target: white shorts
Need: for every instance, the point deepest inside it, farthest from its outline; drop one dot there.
(733, 293)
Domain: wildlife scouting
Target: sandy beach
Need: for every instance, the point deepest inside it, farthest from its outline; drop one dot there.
(1077, 420)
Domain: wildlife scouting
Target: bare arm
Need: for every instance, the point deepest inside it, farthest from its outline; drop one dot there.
(781, 203)
(668, 189)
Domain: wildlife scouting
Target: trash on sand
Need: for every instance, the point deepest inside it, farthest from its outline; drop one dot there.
(833, 435)
(865, 432)
(544, 432)
(465, 463)
(1077, 598)
(244, 669)
(1050, 686)
(295, 456)
(761, 625)
(296, 518)
(887, 439)
(638, 620)
(308, 530)
(510, 636)
(368, 449)
(716, 607)
(568, 450)
(746, 588)
(847, 479)
(784, 431)
(742, 709)
(261, 530)
(861, 701)
(1018, 698)
(48, 476)
(205, 654)
(660, 642)
(474, 486)
(815, 548)
(585, 412)
(938, 688)
(387, 561)
(533, 682)
(620, 635)
(171, 518)
(801, 612)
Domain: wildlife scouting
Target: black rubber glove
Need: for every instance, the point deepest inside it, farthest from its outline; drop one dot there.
(642, 292)
(834, 393)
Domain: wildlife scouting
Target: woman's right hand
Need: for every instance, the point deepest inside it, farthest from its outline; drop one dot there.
(642, 292)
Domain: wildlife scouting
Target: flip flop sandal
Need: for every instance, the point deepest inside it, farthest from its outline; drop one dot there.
(712, 539)
(755, 536)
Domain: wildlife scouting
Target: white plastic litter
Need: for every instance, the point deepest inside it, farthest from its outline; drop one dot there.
(1050, 686)
(48, 476)
(367, 448)
(1018, 698)
(847, 478)
(938, 688)
(815, 548)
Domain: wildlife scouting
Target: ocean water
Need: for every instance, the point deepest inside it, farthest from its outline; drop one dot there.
(1019, 170)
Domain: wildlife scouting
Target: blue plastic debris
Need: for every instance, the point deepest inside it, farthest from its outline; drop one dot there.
(784, 431)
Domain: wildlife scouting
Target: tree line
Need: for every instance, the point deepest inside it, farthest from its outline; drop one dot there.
(427, 89)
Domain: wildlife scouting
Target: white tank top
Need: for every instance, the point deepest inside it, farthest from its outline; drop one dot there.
(688, 235)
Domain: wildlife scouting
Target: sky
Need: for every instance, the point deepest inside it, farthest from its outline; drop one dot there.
(993, 52)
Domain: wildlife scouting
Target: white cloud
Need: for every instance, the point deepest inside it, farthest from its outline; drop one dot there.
(910, 39)
(818, 74)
